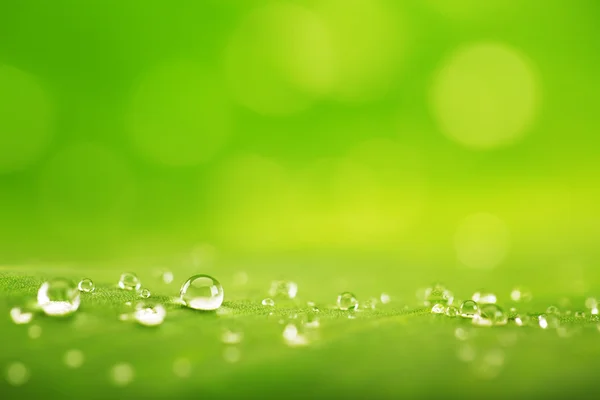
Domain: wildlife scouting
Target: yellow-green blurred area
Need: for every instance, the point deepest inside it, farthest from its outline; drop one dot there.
(450, 138)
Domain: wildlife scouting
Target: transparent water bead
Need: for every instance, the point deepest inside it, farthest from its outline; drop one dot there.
(438, 294)
(268, 302)
(283, 289)
(58, 297)
(202, 292)
(145, 293)
(347, 301)
(552, 310)
(490, 314)
(469, 309)
(452, 312)
(86, 285)
(579, 314)
(129, 281)
(438, 309)
(548, 321)
(149, 314)
(520, 294)
(369, 304)
(20, 316)
(484, 297)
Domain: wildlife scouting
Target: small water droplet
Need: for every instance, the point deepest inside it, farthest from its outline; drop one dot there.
(452, 312)
(548, 321)
(520, 294)
(385, 298)
(310, 319)
(347, 301)
(369, 304)
(490, 314)
(182, 367)
(202, 292)
(293, 337)
(17, 374)
(149, 314)
(129, 281)
(122, 374)
(438, 294)
(579, 314)
(283, 289)
(269, 302)
(86, 285)
(469, 309)
(438, 309)
(20, 316)
(145, 293)
(58, 297)
(73, 358)
(484, 298)
(232, 354)
(232, 335)
(521, 320)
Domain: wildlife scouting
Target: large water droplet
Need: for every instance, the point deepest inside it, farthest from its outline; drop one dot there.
(347, 301)
(20, 316)
(58, 297)
(490, 314)
(149, 314)
(129, 281)
(202, 292)
(469, 309)
(283, 289)
(86, 285)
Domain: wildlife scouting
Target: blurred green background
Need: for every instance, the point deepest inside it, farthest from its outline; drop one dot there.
(449, 138)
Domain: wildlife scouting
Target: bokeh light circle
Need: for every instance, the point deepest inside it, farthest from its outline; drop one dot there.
(485, 96)
(178, 114)
(26, 119)
(482, 241)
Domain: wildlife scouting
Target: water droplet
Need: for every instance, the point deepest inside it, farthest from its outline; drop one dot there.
(469, 309)
(452, 312)
(438, 309)
(58, 297)
(145, 293)
(579, 314)
(385, 298)
(310, 319)
(369, 304)
(347, 301)
(34, 331)
(546, 321)
(521, 320)
(490, 314)
(232, 354)
(520, 294)
(438, 294)
(269, 302)
(86, 285)
(20, 316)
(591, 302)
(484, 298)
(121, 374)
(167, 277)
(232, 336)
(594, 311)
(293, 337)
(182, 367)
(552, 310)
(129, 281)
(17, 374)
(283, 289)
(202, 292)
(149, 314)
(73, 358)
